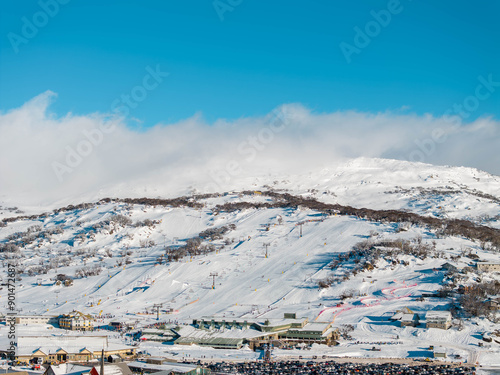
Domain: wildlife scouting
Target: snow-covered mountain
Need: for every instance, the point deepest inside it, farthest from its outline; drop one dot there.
(364, 182)
(326, 258)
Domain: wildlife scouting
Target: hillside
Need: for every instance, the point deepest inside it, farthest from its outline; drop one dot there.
(349, 246)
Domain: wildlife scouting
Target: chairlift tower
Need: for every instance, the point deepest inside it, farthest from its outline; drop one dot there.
(157, 306)
(300, 228)
(213, 275)
(266, 245)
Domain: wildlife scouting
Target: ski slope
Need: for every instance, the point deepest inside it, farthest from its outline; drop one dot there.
(251, 285)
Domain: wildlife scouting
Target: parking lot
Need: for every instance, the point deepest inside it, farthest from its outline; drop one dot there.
(320, 368)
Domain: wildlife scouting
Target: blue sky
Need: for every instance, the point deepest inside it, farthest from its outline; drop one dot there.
(261, 54)
(350, 78)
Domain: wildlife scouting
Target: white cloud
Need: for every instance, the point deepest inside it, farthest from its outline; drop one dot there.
(193, 153)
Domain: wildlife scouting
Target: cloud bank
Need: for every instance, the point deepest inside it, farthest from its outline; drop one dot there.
(46, 158)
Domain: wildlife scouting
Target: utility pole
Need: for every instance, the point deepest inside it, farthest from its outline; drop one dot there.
(157, 306)
(213, 275)
(266, 245)
(102, 362)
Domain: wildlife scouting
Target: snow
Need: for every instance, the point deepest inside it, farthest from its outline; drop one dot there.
(439, 191)
(250, 286)
(438, 315)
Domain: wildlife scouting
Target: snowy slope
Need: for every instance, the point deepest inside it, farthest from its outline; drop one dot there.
(374, 183)
(133, 276)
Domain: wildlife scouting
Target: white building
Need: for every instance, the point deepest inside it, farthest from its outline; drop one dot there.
(488, 266)
(62, 348)
(438, 319)
(409, 320)
(76, 321)
(37, 319)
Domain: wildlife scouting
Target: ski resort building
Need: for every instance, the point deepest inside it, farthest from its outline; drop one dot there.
(406, 317)
(37, 319)
(58, 349)
(438, 319)
(76, 321)
(488, 266)
(409, 320)
(220, 338)
(233, 334)
(120, 325)
(439, 353)
(449, 267)
(155, 334)
(311, 333)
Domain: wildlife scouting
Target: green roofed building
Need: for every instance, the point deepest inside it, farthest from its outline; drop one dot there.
(214, 342)
(312, 333)
(226, 333)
